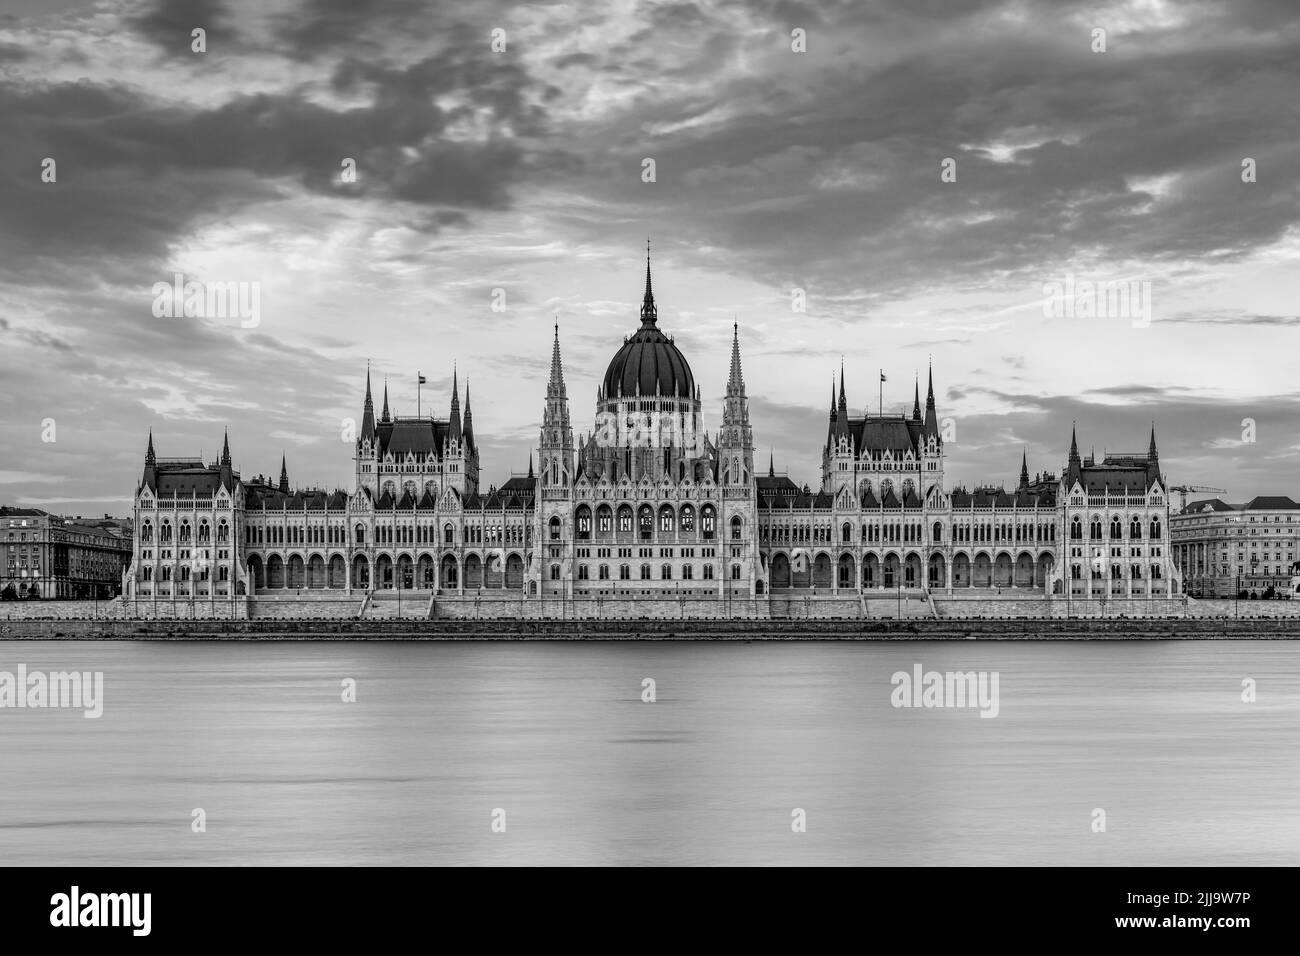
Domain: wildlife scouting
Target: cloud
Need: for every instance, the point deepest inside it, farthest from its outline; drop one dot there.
(522, 171)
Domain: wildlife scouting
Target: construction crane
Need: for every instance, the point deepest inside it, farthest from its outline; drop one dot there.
(1194, 489)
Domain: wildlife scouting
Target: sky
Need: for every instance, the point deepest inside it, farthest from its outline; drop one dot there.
(894, 185)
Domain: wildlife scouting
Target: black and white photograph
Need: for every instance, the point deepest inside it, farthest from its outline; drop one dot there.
(662, 433)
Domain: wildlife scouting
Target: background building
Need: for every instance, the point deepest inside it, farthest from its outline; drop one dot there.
(1223, 548)
(49, 556)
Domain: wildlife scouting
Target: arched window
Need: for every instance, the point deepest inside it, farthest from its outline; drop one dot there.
(1094, 530)
(1076, 529)
(1116, 529)
(165, 532)
(624, 572)
(667, 521)
(846, 532)
(554, 526)
(603, 572)
(645, 520)
(146, 532)
(666, 572)
(604, 520)
(1155, 533)
(185, 532)
(707, 521)
(735, 572)
(938, 532)
(645, 572)
(555, 572)
(736, 527)
(448, 534)
(688, 519)
(223, 532)
(1135, 529)
(625, 518)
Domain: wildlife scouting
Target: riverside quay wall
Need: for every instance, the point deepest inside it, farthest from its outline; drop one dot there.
(718, 630)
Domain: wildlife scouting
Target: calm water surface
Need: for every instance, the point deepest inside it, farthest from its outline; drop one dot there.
(556, 734)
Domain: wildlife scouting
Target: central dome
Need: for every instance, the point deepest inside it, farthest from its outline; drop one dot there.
(649, 363)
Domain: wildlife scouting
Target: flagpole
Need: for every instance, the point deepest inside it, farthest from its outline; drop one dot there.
(882, 393)
(418, 379)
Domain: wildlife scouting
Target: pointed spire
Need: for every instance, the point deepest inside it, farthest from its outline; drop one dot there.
(149, 479)
(555, 387)
(368, 411)
(225, 448)
(454, 431)
(844, 404)
(384, 416)
(1024, 469)
(284, 476)
(916, 400)
(648, 311)
(530, 465)
(1153, 457)
(1074, 466)
(736, 380)
(931, 427)
(469, 417)
(771, 463)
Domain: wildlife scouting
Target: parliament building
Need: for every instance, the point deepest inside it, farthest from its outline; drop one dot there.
(647, 514)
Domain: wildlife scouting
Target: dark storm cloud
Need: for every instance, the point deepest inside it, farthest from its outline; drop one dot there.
(845, 154)
(169, 24)
(12, 53)
(320, 27)
(136, 173)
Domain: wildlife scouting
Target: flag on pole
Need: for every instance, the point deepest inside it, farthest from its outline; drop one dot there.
(422, 381)
(882, 377)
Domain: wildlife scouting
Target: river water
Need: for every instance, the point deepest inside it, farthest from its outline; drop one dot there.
(557, 736)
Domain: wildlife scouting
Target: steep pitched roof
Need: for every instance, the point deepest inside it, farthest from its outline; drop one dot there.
(419, 436)
(891, 433)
